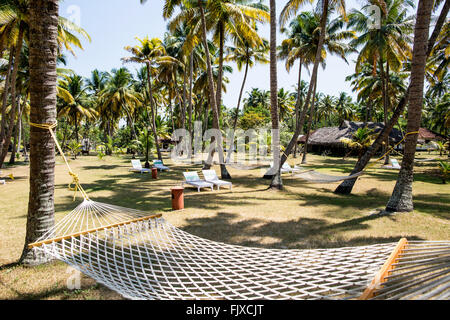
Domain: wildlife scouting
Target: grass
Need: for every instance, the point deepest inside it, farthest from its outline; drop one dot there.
(301, 216)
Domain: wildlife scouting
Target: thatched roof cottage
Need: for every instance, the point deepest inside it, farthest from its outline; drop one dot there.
(329, 138)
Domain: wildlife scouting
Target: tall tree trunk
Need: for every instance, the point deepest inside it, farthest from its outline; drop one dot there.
(385, 106)
(310, 120)
(346, 186)
(236, 116)
(277, 182)
(402, 197)
(152, 107)
(43, 48)
(5, 100)
(299, 129)
(17, 53)
(213, 101)
(191, 80)
(16, 142)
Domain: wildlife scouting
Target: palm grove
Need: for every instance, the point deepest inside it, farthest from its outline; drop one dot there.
(169, 83)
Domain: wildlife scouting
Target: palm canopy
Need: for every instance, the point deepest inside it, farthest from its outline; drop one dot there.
(292, 7)
(14, 14)
(391, 42)
(303, 40)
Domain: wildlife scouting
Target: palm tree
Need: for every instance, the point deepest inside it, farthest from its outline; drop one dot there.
(14, 22)
(274, 174)
(290, 8)
(245, 54)
(347, 186)
(43, 21)
(74, 104)
(117, 99)
(402, 197)
(152, 53)
(388, 45)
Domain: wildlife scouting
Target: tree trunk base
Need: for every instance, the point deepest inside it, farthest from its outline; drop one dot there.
(32, 258)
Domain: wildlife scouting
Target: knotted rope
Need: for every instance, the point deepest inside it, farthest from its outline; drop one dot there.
(75, 185)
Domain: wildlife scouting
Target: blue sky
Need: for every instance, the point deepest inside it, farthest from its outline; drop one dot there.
(114, 24)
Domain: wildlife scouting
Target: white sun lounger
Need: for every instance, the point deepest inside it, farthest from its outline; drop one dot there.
(158, 164)
(211, 176)
(2, 181)
(286, 168)
(394, 165)
(193, 179)
(137, 167)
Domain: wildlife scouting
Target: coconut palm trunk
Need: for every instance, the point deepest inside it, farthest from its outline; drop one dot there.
(8, 135)
(310, 120)
(213, 101)
(153, 115)
(346, 186)
(16, 142)
(43, 48)
(5, 100)
(402, 197)
(276, 182)
(299, 127)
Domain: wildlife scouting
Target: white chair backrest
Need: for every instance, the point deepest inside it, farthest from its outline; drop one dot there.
(395, 163)
(136, 164)
(191, 176)
(286, 166)
(210, 175)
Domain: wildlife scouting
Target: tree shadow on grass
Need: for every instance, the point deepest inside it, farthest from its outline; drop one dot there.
(304, 233)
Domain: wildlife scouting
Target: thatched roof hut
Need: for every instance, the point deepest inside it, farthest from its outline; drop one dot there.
(329, 138)
(426, 136)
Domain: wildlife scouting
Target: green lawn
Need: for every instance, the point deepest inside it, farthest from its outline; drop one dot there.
(302, 216)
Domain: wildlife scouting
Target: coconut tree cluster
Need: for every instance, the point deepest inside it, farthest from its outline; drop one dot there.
(172, 82)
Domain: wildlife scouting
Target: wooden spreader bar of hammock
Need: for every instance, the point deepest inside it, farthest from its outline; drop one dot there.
(381, 276)
(81, 233)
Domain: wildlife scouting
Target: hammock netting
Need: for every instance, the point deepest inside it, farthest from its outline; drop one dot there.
(317, 177)
(145, 257)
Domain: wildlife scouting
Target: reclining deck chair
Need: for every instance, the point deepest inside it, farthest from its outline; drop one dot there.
(394, 165)
(158, 164)
(137, 167)
(193, 179)
(211, 176)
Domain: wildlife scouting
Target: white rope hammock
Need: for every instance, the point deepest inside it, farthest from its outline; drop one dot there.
(317, 177)
(145, 257)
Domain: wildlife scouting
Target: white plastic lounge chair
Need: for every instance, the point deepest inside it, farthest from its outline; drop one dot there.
(193, 179)
(158, 164)
(394, 165)
(137, 167)
(2, 182)
(286, 168)
(211, 176)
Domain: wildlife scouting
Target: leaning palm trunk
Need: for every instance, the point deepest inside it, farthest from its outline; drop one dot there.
(18, 50)
(346, 187)
(402, 198)
(43, 48)
(300, 124)
(310, 120)
(16, 142)
(5, 101)
(214, 103)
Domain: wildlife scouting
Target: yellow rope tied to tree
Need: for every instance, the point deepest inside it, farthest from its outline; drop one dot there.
(75, 185)
(391, 149)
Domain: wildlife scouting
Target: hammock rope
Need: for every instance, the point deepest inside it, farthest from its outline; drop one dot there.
(145, 257)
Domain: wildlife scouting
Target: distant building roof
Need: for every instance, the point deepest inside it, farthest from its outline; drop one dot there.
(331, 136)
(428, 135)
